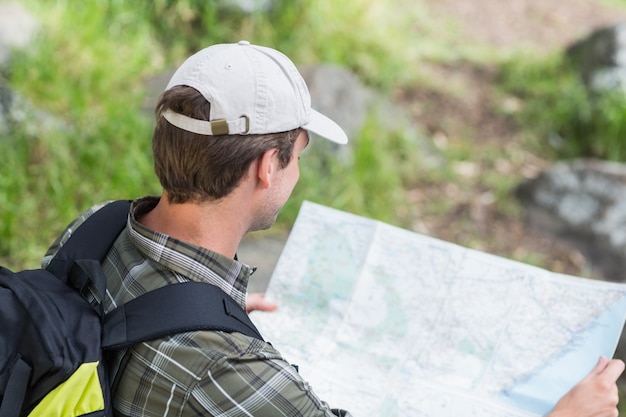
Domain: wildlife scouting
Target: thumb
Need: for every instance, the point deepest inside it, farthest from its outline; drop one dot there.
(610, 370)
(613, 370)
(600, 366)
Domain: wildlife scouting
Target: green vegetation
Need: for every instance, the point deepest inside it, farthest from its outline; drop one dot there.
(88, 70)
(86, 77)
(561, 113)
(88, 73)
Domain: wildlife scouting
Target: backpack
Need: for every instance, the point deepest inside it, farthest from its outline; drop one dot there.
(54, 343)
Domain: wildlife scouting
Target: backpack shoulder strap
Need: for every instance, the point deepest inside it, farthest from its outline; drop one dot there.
(172, 309)
(168, 310)
(78, 260)
(94, 237)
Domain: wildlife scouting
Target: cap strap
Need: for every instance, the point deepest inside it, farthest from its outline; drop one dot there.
(217, 127)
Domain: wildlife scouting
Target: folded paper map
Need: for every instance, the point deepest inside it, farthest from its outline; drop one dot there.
(387, 322)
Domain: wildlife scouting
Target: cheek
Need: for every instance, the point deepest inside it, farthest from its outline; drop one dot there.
(297, 174)
(293, 170)
(292, 178)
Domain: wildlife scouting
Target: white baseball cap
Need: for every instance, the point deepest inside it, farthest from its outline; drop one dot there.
(252, 90)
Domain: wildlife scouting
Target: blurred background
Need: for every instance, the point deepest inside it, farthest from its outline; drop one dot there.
(451, 107)
(497, 125)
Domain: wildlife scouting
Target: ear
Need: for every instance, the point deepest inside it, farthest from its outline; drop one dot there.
(267, 167)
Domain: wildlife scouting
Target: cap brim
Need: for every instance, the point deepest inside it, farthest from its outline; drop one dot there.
(326, 128)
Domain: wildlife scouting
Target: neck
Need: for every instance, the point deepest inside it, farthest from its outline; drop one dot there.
(217, 226)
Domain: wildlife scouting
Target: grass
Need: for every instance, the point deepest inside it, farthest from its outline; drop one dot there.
(371, 183)
(86, 73)
(88, 69)
(573, 121)
(95, 145)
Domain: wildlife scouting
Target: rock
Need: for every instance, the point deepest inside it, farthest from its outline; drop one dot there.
(17, 113)
(583, 203)
(601, 58)
(247, 6)
(18, 28)
(338, 92)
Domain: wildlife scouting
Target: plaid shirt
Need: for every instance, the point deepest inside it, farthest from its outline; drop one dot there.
(201, 373)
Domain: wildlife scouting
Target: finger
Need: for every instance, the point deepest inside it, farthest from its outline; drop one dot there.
(613, 370)
(257, 301)
(600, 366)
(265, 305)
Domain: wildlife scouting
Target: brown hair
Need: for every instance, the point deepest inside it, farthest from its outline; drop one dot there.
(194, 167)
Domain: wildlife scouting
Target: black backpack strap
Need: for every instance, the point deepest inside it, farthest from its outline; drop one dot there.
(15, 389)
(164, 311)
(78, 260)
(172, 309)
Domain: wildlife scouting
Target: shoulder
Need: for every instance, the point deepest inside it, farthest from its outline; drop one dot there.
(202, 350)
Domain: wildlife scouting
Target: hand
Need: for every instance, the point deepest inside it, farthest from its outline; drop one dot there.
(257, 301)
(595, 396)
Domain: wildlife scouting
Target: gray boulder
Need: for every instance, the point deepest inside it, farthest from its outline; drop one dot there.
(247, 6)
(582, 203)
(18, 28)
(19, 114)
(601, 58)
(340, 94)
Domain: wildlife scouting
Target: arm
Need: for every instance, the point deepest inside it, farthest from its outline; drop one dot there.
(595, 396)
(210, 373)
(264, 388)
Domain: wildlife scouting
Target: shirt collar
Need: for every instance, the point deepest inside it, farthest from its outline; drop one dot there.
(192, 262)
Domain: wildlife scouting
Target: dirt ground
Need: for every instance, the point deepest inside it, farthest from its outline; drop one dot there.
(475, 219)
(542, 24)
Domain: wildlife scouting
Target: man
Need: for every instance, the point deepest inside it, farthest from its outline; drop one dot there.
(230, 128)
